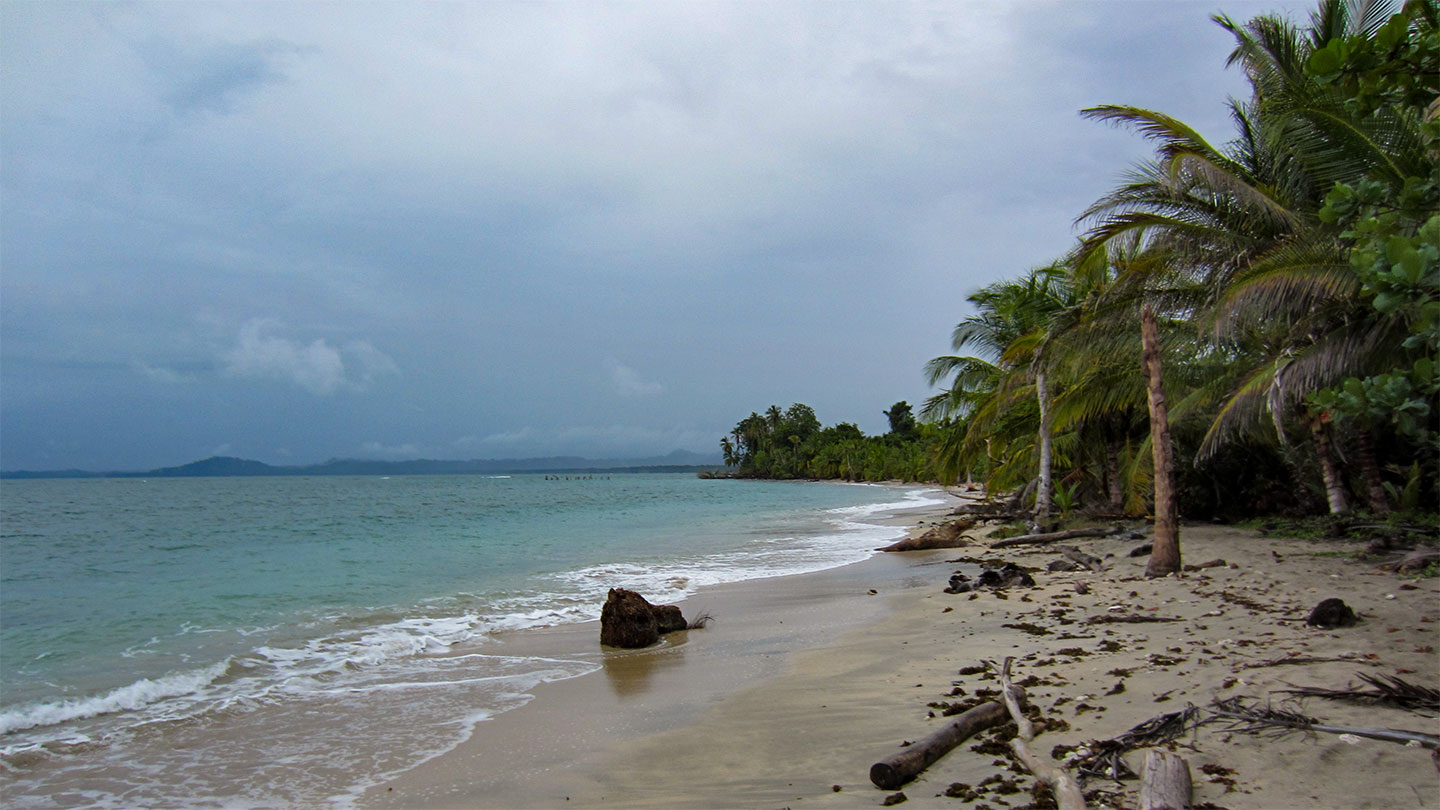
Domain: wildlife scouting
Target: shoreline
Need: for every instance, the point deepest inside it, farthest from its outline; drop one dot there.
(806, 680)
(537, 755)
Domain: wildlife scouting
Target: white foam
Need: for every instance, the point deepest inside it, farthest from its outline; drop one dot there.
(131, 697)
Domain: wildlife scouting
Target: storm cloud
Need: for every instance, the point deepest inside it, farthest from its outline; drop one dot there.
(465, 229)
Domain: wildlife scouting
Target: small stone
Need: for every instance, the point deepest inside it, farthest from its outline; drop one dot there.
(894, 799)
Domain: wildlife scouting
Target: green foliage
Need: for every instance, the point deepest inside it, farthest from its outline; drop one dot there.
(792, 444)
(1067, 498)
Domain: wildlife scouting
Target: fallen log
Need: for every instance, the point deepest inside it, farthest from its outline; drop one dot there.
(902, 766)
(946, 535)
(1060, 781)
(1165, 782)
(1048, 537)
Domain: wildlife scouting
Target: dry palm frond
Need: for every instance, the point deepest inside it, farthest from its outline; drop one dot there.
(1248, 717)
(1388, 690)
(1105, 756)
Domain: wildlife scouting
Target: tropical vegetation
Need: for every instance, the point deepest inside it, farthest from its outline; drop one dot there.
(791, 443)
(1245, 327)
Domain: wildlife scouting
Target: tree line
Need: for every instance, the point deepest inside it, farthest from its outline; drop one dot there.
(1246, 326)
(790, 443)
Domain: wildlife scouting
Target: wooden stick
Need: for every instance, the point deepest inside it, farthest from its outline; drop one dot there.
(1048, 537)
(1059, 780)
(902, 766)
(1165, 782)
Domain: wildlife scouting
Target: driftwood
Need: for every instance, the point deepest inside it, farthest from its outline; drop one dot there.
(1165, 782)
(1048, 537)
(1076, 555)
(946, 535)
(1066, 789)
(1416, 560)
(898, 768)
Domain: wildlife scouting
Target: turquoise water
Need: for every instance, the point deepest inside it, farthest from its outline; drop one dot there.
(129, 605)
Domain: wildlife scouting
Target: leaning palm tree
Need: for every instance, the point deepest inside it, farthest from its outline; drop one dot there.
(1009, 331)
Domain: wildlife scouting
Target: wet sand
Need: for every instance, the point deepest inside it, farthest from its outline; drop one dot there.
(803, 682)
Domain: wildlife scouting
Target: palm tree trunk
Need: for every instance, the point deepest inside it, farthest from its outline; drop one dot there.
(1112, 473)
(1375, 495)
(1043, 498)
(1165, 555)
(1334, 487)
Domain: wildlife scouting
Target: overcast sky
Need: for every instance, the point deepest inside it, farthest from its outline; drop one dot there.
(297, 231)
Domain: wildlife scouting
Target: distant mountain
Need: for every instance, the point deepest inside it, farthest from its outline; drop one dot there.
(226, 466)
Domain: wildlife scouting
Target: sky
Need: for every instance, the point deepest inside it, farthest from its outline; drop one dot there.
(300, 231)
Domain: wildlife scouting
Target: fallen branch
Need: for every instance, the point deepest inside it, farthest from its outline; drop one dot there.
(1048, 537)
(1248, 718)
(1067, 791)
(1294, 660)
(1130, 618)
(898, 768)
(1388, 689)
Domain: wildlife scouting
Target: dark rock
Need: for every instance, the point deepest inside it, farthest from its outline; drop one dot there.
(1330, 613)
(1141, 551)
(894, 799)
(959, 583)
(629, 621)
(668, 619)
(1005, 576)
(1063, 565)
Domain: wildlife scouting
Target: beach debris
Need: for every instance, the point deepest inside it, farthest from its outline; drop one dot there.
(1006, 576)
(898, 768)
(1215, 563)
(1331, 613)
(627, 620)
(1104, 758)
(1165, 782)
(1130, 618)
(1056, 777)
(946, 535)
(1142, 551)
(1079, 557)
(1248, 717)
(1417, 560)
(894, 799)
(1388, 690)
(1048, 537)
(701, 621)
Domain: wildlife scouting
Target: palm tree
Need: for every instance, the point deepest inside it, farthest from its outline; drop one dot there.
(1009, 329)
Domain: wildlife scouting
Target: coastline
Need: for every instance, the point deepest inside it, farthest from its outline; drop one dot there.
(806, 680)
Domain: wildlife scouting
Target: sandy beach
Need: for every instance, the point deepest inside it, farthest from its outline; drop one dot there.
(803, 682)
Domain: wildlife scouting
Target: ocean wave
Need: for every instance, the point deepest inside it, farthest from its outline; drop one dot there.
(131, 697)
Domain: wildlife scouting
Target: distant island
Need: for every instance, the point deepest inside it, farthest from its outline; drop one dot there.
(228, 466)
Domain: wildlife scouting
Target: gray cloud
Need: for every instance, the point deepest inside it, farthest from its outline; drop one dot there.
(591, 223)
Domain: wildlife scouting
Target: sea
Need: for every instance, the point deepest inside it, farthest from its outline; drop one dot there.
(293, 641)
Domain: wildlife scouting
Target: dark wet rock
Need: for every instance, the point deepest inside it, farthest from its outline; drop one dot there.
(668, 619)
(1330, 613)
(1008, 575)
(629, 621)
